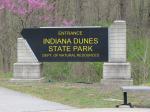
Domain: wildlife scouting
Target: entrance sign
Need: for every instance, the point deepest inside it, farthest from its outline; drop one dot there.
(74, 44)
(68, 44)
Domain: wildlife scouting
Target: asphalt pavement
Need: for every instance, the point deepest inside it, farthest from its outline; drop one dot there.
(12, 101)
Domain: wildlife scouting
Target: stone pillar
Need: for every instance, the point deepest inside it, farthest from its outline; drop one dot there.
(27, 67)
(117, 71)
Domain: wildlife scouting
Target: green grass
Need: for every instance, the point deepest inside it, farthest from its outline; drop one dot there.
(5, 76)
(75, 94)
(139, 56)
(73, 71)
(78, 95)
(66, 94)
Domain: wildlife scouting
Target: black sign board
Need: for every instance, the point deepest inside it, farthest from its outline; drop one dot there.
(68, 44)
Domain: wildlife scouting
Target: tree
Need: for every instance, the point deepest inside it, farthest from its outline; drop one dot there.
(122, 5)
(30, 10)
(27, 13)
(141, 12)
(148, 15)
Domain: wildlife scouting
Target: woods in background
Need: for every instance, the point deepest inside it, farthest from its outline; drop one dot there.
(86, 13)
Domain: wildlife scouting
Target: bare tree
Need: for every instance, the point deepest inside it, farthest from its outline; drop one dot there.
(123, 5)
(141, 12)
(148, 15)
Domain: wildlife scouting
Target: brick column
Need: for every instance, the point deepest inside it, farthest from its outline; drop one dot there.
(27, 67)
(117, 71)
(117, 42)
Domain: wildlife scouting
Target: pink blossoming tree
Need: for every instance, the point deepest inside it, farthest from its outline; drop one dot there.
(34, 12)
(18, 14)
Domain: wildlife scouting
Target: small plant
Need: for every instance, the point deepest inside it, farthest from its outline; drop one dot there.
(103, 23)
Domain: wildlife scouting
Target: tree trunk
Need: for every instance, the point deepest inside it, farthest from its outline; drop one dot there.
(122, 5)
(148, 15)
(141, 12)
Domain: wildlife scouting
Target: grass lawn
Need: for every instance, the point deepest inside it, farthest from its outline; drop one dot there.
(71, 94)
(77, 95)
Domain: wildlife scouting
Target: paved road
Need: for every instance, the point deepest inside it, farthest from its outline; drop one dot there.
(105, 110)
(12, 101)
